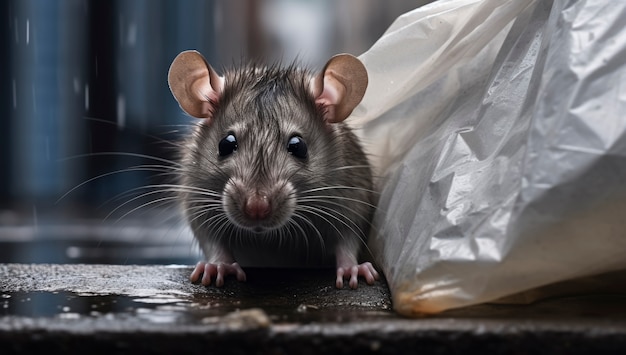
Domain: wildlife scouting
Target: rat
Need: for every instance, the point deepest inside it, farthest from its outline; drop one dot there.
(271, 171)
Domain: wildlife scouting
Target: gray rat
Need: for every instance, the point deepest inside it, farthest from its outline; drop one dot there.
(271, 173)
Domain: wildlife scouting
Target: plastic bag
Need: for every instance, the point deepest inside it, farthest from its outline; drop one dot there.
(498, 132)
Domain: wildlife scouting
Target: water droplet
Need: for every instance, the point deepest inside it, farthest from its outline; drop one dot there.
(121, 112)
(14, 94)
(76, 85)
(73, 252)
(86, 97)
(132, 35)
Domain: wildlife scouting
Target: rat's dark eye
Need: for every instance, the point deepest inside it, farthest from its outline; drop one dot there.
(227, 145)
(297, 147)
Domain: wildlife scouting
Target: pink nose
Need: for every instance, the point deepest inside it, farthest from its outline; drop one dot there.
(257, 207)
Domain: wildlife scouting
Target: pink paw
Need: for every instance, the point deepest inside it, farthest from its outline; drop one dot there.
(366, 270)
(206, 272)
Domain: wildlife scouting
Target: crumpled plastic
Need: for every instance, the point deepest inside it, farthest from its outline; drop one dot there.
(497, 132)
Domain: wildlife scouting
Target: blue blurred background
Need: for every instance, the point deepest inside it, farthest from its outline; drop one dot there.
(84, 94)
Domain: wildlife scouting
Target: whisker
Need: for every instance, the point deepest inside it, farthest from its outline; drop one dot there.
(356, 213)
(348, 167)
(339, 187)
(156, 138)
(189, 189)
(207, 202)
(343, 198)
(169, 188)
(157, 201)
(213, 220)
(131, 169)
(131, 192)
(126, 154)
(360, 234)
(310, 223)
(140, 196)
(316, 212)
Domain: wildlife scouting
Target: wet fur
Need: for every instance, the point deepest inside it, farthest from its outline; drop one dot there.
(332, 195)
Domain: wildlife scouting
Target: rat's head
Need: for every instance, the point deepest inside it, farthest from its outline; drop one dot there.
(266, 135)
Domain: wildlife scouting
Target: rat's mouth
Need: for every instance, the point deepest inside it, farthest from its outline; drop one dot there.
(258, 227)
(259, 230)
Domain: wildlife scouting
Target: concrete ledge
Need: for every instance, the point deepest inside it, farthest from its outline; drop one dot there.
(154, 309)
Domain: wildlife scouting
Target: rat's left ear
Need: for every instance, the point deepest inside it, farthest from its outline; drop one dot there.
(194, 84)
(340, 87)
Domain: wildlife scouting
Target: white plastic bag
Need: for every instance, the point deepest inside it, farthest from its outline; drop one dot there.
(498, 131)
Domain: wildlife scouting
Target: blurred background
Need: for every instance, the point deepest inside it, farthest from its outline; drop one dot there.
(85, 102)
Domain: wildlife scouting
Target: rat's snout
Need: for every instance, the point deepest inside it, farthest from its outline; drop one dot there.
(257, 207)
(258, 210)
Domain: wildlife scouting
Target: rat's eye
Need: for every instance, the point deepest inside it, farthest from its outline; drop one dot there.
(227, 145)
(297, 147)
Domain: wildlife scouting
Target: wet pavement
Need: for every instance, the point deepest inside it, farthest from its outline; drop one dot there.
(155, 309)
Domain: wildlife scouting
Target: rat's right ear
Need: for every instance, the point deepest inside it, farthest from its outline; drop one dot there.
(194, 84)
(340, 87)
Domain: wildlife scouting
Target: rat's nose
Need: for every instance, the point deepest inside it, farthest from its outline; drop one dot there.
(257, 207)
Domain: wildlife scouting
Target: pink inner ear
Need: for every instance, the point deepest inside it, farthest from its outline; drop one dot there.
(207, 110)
(331, 96)
(201, 92)
(205, 95)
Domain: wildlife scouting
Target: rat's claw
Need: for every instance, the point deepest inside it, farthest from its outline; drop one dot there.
(197, 272)
(366, 270)
(369, 273)
(206, 272)
(211, 271)
(339, 282)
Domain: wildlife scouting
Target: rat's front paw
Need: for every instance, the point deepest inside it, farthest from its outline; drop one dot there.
(353, 272)
(206, 272)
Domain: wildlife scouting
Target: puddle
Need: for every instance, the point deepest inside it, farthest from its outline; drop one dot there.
(196, 309)
(68, 305)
